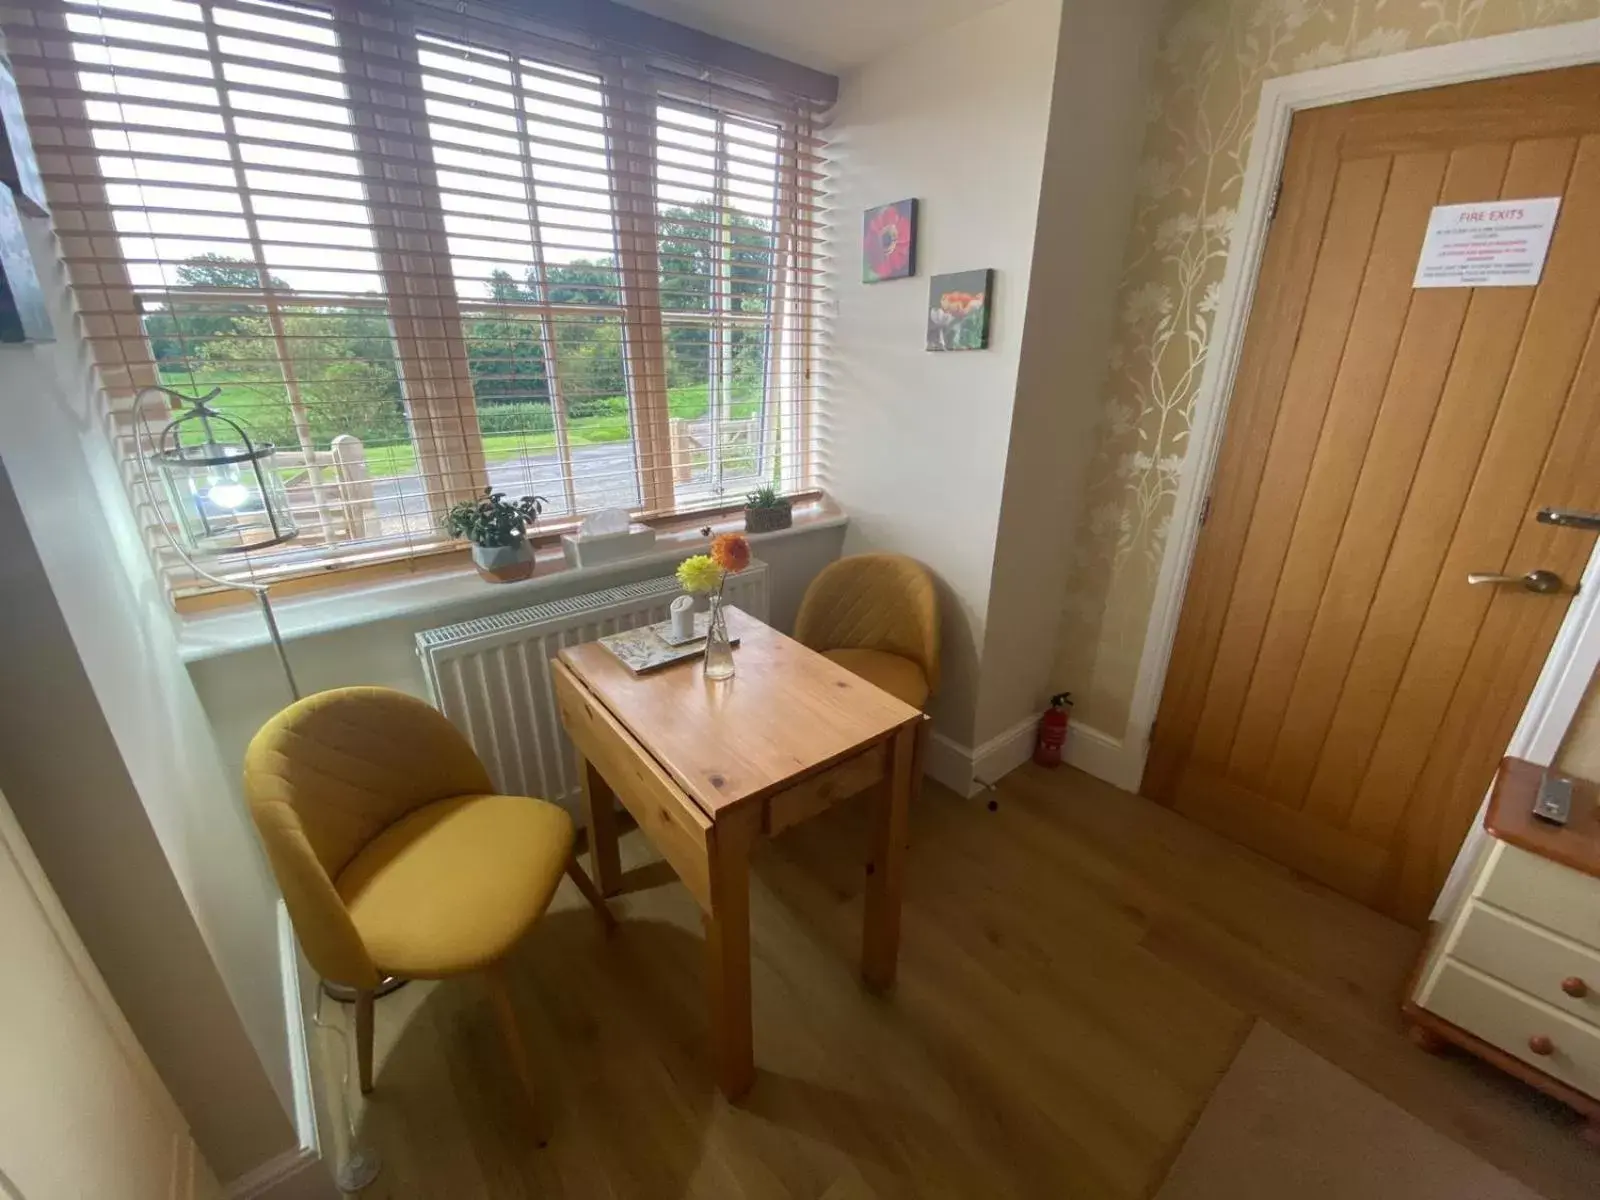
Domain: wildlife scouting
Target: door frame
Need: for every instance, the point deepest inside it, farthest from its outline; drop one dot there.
(1576, 650)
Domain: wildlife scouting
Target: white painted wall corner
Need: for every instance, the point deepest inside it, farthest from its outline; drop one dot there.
(966, 770)
(298, 1173)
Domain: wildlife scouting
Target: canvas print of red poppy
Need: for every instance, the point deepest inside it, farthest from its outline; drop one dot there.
(889, 242)
(958, 310)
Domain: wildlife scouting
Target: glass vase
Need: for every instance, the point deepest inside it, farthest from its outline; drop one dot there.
(719, 650)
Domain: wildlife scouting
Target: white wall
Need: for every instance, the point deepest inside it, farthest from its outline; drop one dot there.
(1580, 749)
(75, 1076)
(112, 772)
(241, 690)
(1019, 131)
(1097, 118)
(918, 440)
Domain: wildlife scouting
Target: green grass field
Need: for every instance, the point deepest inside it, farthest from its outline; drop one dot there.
(689, 403)
(500, 447)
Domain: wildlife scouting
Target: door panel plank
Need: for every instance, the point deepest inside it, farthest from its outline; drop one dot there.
(1477, 379)
(1506, 658)
(1549, 104)
(1310, 166)
(1535, 400)
(1335, 287)
(1484, 710)
(1329, 855)
(1433, 329)
(1483, 713)
(1369, 355)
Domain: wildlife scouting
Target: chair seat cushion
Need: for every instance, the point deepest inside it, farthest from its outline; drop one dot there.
(454, 884)
(898, 676)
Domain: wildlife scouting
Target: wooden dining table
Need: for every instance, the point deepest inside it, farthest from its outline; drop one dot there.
(707, 768)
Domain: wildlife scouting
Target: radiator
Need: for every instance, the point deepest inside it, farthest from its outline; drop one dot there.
(491, 676)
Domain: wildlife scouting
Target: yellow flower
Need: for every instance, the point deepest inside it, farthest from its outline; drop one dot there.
(699, 575)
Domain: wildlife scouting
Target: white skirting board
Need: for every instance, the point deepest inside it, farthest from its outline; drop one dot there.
(965, 770)
(299, 1173)
(296, 1174)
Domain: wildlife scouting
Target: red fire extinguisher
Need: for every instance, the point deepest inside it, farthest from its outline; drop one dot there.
(1052, 731)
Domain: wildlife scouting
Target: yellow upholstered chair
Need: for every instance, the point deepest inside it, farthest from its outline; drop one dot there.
(395, 855)
(876, 615)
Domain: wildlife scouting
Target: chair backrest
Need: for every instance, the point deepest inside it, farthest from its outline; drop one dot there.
(874, 602)
(326, 776)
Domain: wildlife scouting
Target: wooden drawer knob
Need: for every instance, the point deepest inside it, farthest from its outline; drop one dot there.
(1541, 1045)
(1574, 987)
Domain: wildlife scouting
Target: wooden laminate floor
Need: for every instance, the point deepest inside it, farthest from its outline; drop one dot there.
(1078, 970)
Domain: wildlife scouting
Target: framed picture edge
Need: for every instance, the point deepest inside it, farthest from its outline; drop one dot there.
(986, 325)
(911, 257)
(988, 307)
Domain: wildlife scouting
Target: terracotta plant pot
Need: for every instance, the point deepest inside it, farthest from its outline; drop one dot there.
(504, 564)
(766, 520)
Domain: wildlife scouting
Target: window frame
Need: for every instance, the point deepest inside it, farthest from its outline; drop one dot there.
(381, 78)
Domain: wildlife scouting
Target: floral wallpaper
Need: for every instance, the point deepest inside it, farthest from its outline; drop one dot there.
(1213, 59)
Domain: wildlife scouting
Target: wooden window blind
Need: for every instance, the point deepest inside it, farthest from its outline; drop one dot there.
(424, 248)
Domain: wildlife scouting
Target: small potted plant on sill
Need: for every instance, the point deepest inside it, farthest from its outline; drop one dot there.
(498, 530)
(765, 511)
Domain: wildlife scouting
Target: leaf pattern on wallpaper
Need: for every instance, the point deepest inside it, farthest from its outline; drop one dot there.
(1213, 59)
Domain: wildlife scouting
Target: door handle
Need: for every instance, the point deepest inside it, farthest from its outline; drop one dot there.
(1569, 518)
(1545, 583)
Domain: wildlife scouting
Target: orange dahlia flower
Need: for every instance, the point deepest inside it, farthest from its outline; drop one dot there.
(731, 552)
(961, 303)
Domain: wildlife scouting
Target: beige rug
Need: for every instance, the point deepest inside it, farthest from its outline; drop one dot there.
(1286, 1123)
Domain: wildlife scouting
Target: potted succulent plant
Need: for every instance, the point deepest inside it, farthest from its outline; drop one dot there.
(765, 510)
(498, 530)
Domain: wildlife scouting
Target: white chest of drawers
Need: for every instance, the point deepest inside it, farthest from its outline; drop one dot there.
(1513, 975)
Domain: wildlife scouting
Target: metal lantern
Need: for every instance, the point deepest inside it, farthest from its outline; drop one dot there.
(220, 482)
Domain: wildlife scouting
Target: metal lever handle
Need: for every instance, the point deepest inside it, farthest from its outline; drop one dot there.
(1569, 518)
(1545, 583)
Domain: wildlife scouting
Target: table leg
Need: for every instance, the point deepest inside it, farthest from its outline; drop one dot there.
(728, 950)
(919, 758)
(600, 811)
(891, 803)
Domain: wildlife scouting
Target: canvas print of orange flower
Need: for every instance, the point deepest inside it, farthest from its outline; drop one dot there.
(889, 242)
(958, 310)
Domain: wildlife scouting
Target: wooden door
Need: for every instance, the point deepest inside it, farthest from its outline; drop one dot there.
(82, 1111)
(1339, 693)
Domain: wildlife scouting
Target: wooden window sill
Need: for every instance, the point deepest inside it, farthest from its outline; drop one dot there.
(448, 581)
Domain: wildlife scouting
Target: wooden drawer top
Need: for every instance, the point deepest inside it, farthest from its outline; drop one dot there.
(1510, 818)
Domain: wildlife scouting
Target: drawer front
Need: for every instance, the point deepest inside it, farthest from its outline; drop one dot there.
(1507, 1018)
(1531, 960)
(826, 788)
(1544, 892)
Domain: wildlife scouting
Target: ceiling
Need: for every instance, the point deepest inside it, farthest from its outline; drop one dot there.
(828, 35)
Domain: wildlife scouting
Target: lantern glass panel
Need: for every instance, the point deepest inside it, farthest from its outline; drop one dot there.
(227, 496)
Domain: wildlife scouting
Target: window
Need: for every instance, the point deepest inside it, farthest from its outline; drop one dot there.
(717, 217)
(525, 187)
(423, 250)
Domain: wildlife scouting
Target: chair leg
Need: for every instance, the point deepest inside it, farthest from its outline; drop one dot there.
(591, 893)
(505, 1011)
(364, 998)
